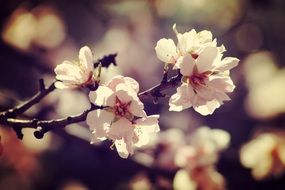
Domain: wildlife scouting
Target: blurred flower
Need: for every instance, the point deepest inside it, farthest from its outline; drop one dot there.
(264, 81)
(205, 81)
(27, 28)
(201, 178)
(20, 29)
(265, 154)
(140, 182)
(189, 43)
(198, 160)
(124, 120)
(203, 149)
(167, 144)
(76, 74)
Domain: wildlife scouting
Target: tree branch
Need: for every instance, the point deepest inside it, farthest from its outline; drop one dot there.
(43, 126)
(14, 112)
(8, 118)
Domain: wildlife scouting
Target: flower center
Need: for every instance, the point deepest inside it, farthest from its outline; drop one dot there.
(121, 109)
(194, 55)
(197, 80)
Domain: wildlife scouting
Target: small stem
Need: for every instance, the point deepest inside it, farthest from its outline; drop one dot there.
(164, 84)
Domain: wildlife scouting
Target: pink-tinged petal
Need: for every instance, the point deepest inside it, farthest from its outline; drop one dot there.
(206, 59)
(101, 95)
(129, 82)
(86, 58)
(205, 92)
(207, 108)
(99, 120)
(166, 50)
(61, 85)
(227, 64)
(182, 99)
(132, 83)
(121, 148)
(122, 95)
(186, 65)
(120, 129)
(221, 83)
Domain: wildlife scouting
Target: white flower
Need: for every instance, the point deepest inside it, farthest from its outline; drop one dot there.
(76, 74)
(205, 81)
(203, 149)
(124, 121)
(190, 43)
(265, 155)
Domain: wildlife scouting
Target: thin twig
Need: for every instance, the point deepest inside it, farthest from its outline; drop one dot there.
(156, 91)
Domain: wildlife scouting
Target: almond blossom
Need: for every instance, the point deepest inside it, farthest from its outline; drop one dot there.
(189, 43)
(76, 74)
(124, 121)
(205, 81)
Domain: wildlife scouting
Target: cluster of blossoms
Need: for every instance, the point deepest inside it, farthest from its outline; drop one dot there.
(206, 77)
(123, 120)
(198, 158)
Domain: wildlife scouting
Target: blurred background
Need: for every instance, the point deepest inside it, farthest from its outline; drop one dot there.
(37, 35)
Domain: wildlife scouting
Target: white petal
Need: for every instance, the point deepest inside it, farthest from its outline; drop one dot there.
(137, 109)
(144, 127)
(121, 148)
(99, 119)
(69, 69)
(186, 41)
(204, 36)
(61, 85)
(227, 64)
(186, 65)
(208, 108)
(206, 59)
(120, 129)
(166, 50)
(182, 99)
(86, 58)
(100, 96)
(221, 83)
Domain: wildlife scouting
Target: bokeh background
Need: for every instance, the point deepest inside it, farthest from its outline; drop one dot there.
(37, 35)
